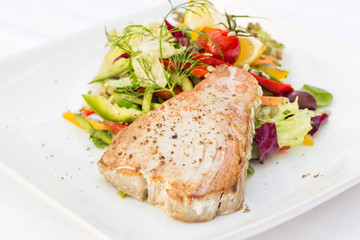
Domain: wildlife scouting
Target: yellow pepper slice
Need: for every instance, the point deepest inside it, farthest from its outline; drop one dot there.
(273, 71)
(100, 126)
(308, 140)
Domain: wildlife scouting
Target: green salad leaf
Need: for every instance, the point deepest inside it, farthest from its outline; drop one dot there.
(323, 98)
(103, 135)
(291, 131)
(98, 142)
(292, 123)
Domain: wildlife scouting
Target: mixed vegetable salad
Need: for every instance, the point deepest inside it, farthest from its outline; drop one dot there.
(149, 64)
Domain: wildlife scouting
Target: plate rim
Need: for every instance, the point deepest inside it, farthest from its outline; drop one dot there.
(261, 226)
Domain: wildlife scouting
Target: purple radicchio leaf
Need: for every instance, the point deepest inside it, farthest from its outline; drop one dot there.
(266, 140)
(124, 55)
(316, 122)
(180, 37)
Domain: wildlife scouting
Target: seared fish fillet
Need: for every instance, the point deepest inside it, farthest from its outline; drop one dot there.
(190, 156)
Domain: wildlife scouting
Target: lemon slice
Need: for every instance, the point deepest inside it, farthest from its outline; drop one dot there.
(250, 49)
(197, 17)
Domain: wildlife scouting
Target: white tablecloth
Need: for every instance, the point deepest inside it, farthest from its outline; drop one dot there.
(25, 24)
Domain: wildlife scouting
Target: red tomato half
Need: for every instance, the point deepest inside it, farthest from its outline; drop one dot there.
(229, 46)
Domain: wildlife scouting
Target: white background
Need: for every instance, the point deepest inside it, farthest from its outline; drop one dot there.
(25, 24)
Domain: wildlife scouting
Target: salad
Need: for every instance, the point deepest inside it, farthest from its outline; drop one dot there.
(148, 64)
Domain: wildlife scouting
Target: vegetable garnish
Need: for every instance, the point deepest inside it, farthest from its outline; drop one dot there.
(277, 88)
(323, 98)
(266, 140)
(273, 101)
(316, 122)
(267, 60)
(224, 39)
(181, 37)
(124, 55)
(273, 48)
(250, 170)
(305, 99)
(121, 194)
(148, 64)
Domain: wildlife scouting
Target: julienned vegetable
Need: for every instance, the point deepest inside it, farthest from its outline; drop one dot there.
(149, 64)
(276, 87)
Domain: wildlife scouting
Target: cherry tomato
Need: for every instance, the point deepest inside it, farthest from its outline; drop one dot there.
(229, 46)
(87, 111)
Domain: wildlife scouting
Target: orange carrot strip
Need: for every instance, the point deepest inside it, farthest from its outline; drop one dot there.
(272, 101)
(266, 60)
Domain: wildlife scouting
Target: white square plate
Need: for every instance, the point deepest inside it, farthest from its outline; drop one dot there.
(54, 158)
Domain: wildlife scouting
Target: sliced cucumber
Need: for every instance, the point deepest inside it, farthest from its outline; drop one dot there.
(103, 107)
(83, 123)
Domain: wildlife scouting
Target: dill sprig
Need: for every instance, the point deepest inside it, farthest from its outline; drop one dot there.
(137, 33)
(231, 25)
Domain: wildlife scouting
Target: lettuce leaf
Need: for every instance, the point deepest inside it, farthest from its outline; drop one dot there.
(292, 130)
(277, 113)
(292, 123)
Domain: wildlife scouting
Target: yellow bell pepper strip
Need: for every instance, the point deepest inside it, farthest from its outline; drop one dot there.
(70, 117)
(100, 126)
(308, 140)
(273, 71)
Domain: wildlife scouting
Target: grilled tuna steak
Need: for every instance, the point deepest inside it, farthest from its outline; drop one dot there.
(190, 156)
